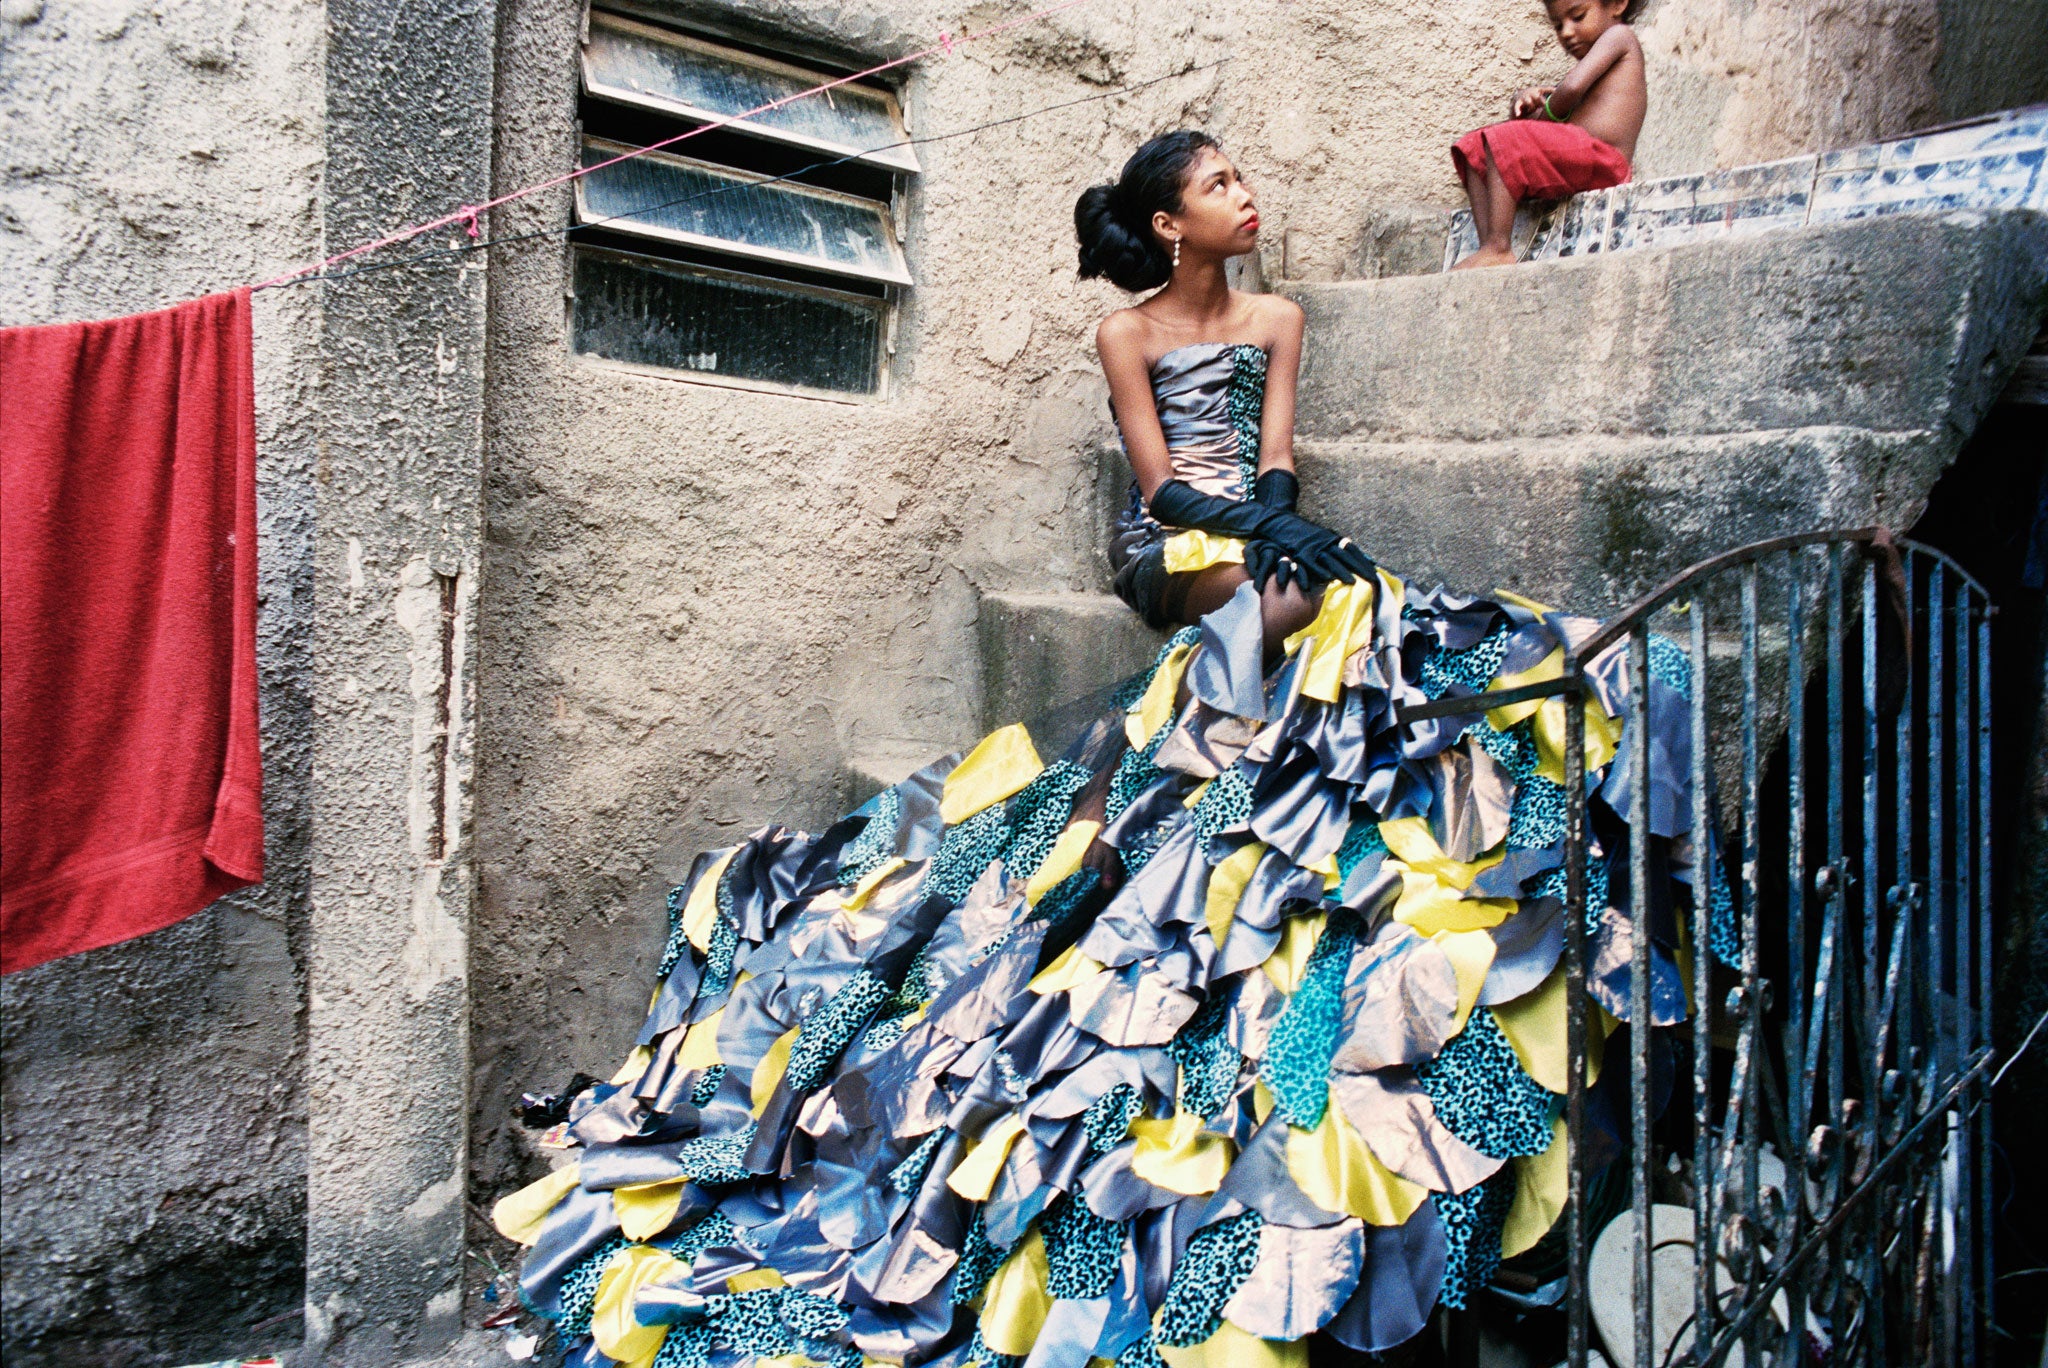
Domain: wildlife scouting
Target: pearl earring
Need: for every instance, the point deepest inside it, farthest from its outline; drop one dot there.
(1176, 254)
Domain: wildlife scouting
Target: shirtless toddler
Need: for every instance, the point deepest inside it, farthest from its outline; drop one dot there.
(1559, 140)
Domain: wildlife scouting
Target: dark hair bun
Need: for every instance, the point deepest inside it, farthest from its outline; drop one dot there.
(1114, 221)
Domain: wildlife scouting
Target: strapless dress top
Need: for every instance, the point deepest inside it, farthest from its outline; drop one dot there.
(1209, 396)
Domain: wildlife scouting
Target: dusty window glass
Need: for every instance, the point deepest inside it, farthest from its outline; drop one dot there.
(698, 204)
(651, 312)
(766, 253)
(641, 64)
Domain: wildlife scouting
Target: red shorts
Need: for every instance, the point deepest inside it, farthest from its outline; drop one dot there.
(1539, 159)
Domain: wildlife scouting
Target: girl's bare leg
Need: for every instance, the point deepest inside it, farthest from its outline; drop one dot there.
(1283, 611)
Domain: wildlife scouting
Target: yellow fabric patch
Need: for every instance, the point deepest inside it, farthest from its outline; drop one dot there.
(699, 1049)
(769, 1071)
(1471, 955)
(1195, 549)
(1342, 625)
(645, 1209)
(1602, 732)
(1542, 1182)
(1226, 889)
(754, 1280)
(1534, 1024)
(1062, 860)
(1155, 709)
(1327, 867)
(1298, 937)
(1071, 968)
(1410, 842)
(1003, 763)
(1262, 1101)
(874, 879)
(519, 1215)
(1176, 1153)
(1231, 1347)
(1333, 1166)
(636, 1062)
(619, 1335)
(1430, 906)
(975, 1175)
(1014, 1307)
(700, 913)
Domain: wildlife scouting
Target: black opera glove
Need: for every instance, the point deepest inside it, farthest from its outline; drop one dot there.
(1277, 489)
(1265, 562)
(1325, 555)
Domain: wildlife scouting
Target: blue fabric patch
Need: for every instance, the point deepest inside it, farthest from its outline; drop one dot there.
(876, 844)
(824, 1036)
(1473, 1221)
(1082, 1250)
(1483, 1094)
(1296, 1068)
(1218, 1260)
(1209, 1064)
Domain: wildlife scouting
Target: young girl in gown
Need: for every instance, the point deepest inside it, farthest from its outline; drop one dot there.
(1173, 1029)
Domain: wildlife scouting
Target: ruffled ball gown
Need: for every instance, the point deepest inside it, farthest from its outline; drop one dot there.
(924, 1087)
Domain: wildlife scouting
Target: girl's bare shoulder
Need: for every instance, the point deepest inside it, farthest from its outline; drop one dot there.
(1276, 315)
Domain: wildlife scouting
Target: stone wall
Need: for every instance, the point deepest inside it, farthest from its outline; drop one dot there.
(153, 1190)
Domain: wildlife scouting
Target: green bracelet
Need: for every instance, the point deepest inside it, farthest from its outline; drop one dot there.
(1546, 111)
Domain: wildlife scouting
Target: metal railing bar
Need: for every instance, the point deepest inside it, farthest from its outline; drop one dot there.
(1793, 1135)
(1869, 904)
(1639, 1027)
(1985, 1265)
(1706, 1183)
(1612, 629)
(1478, 704)
(1833, 930)
(1829, 1227)
(1749, 1039)
(1575, 1016)
(1965, 904)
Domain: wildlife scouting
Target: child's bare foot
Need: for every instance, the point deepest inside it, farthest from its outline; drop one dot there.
(1487, 256)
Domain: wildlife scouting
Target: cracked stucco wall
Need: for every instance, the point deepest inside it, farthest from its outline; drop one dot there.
(152, 1191)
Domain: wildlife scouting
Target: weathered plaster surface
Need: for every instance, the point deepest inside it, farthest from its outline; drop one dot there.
(153, 1199)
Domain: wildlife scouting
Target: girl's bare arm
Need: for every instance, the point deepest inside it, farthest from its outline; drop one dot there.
(1283, 371)
(1120, 344)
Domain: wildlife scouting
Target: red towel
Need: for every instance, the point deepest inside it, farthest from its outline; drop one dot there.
(131, 785)
(1542, 160)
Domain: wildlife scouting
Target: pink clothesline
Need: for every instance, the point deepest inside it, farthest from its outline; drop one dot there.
(468, 214)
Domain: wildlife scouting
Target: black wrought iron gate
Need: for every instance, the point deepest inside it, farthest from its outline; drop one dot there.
(1835, 1156)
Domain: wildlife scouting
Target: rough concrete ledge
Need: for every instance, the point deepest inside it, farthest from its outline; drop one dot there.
(1591, 522)
(1895, 324)
(1041, 651)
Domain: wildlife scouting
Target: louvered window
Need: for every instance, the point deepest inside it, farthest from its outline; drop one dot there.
(768, 252)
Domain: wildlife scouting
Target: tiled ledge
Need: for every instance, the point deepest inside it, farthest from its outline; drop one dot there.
(1991, 163)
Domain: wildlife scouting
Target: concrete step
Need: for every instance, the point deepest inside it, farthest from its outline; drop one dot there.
(864, 774)
(1893, 324)
(1592, 522)
(1041, 651)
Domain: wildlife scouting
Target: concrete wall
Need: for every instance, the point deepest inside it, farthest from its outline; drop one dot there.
(152, 1191)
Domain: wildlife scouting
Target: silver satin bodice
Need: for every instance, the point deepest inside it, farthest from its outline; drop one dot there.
(1208, 397)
